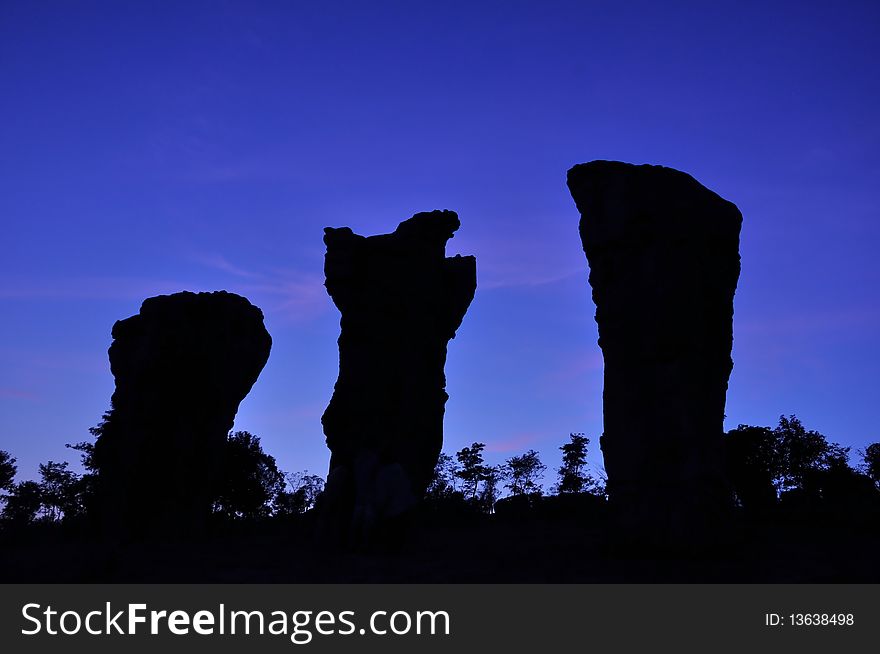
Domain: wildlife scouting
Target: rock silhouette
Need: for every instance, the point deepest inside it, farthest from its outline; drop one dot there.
(401, 300)
(664, 261)
(182, 366)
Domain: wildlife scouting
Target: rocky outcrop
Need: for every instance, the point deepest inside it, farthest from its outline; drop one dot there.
(401, 300)
(664, 260)
(182, 366)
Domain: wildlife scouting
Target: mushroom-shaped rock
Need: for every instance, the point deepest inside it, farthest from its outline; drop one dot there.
(182, 366)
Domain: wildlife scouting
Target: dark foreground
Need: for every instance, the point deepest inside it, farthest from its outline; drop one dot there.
(485, 550)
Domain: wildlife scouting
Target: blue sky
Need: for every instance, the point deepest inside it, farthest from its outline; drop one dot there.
(155, 147)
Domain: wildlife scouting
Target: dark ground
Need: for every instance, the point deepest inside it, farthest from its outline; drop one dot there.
(484, 550)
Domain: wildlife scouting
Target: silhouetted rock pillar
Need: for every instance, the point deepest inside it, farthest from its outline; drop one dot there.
(664, 261)
(401, 300)
(182, 366)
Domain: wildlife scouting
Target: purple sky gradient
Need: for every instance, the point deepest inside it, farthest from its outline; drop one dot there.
(155, 147)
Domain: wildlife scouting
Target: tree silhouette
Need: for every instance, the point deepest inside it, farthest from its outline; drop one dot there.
(754, 464)
(789, 462)
(7, 474)
(572, 474)
(59, 491)
(305, 489)
(250, 482)
(443, 479)
(803, 452)
(838, 490)
(86, 487)
(871, 456)
(472, 470)
(523, 473)
(7, 470)
(23, 504)
(492, 476)
(87, 453)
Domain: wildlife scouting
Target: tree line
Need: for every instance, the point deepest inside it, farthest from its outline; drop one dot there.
(251, 487)
(466, 478)
(799, 468)
(787, 465)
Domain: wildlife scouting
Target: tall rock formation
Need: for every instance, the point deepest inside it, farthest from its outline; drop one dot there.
(182, 366)
(401, 300)
(664, 260)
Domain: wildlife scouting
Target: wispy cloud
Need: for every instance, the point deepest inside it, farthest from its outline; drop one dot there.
(292, 418)
(17, 394)
(513, 277)
(576, 366)
(525, 259)
(221, 263)
(515, 443)
(289, 297)
(285, 294)
(89, 288)
(814, 321)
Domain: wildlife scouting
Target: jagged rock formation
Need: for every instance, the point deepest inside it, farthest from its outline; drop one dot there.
(182, 366)
(664, 260)
(401, 300)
